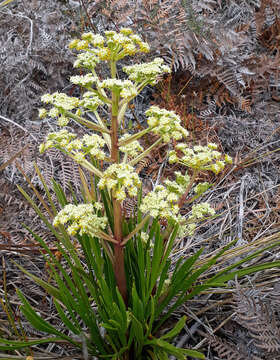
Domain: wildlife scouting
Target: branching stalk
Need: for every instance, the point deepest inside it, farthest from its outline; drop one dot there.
(85, 122)
(136, 230)
(146, 152)
(184, 196)
(135, 136)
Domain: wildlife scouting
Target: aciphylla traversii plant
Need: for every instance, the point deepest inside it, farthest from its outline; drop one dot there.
(118, 297)
(122, 153)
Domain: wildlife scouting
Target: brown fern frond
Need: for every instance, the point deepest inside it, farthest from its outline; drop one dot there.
(228, 351)
(116, 11)
(257, 315)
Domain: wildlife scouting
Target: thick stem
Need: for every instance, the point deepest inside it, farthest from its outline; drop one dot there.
(118, 265)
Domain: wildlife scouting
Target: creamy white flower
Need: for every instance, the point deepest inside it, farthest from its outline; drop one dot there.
(125, 88)
(132, 149)
(199, 158)
(61, 101)
(120, 178)
(78, 148)
(165, 124)
(42, 113)
(62, 121)
(84, 80)
(87, 60)
(91, 101)
(147, 72)
(159, 204)
(104, 54)
(198, 213)
(82, 219)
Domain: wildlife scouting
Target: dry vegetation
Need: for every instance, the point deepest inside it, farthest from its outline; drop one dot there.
(226, 88)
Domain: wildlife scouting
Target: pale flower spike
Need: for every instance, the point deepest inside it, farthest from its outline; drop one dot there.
(120, 179)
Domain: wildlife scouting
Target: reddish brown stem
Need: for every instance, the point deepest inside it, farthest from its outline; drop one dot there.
(119, 269)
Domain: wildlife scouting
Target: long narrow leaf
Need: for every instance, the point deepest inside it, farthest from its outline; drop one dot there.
(175, 331)
(45, 285)
(45, 188)
(14, 345)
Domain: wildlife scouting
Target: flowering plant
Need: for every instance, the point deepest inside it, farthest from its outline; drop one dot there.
(114, 303)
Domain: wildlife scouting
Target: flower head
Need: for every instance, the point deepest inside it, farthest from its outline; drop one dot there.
(113, 46)
(120, 178)
(198, 213)
(61, 101)
(125, 88)
(42, 113)
(147, 72)
(81, 218)
(76, 148)
(86, 60)
(161, 203)
(132, 149)
(165, 124)
(198, 158)
(84, 80)
(90, 101)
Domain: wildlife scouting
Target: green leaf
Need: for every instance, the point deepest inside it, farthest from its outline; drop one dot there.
(39, 212)
(45, 188)
(14, 345)
(39, 323)
(122, 308)
(75, 329)
(137, 330)
(5, 2)
(175, 331)
(61, 197)
(171, 349)
(64, 238)
(248, 270)
(244, 260)
(49, 288)
(152, 317)
(179, 281)
(137, 306)
(157, 257)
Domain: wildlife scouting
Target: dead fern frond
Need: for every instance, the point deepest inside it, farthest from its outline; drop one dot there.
(256, 314)
(34, 56)
(228, 351)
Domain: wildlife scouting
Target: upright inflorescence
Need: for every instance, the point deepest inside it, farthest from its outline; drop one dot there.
(120, 178)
